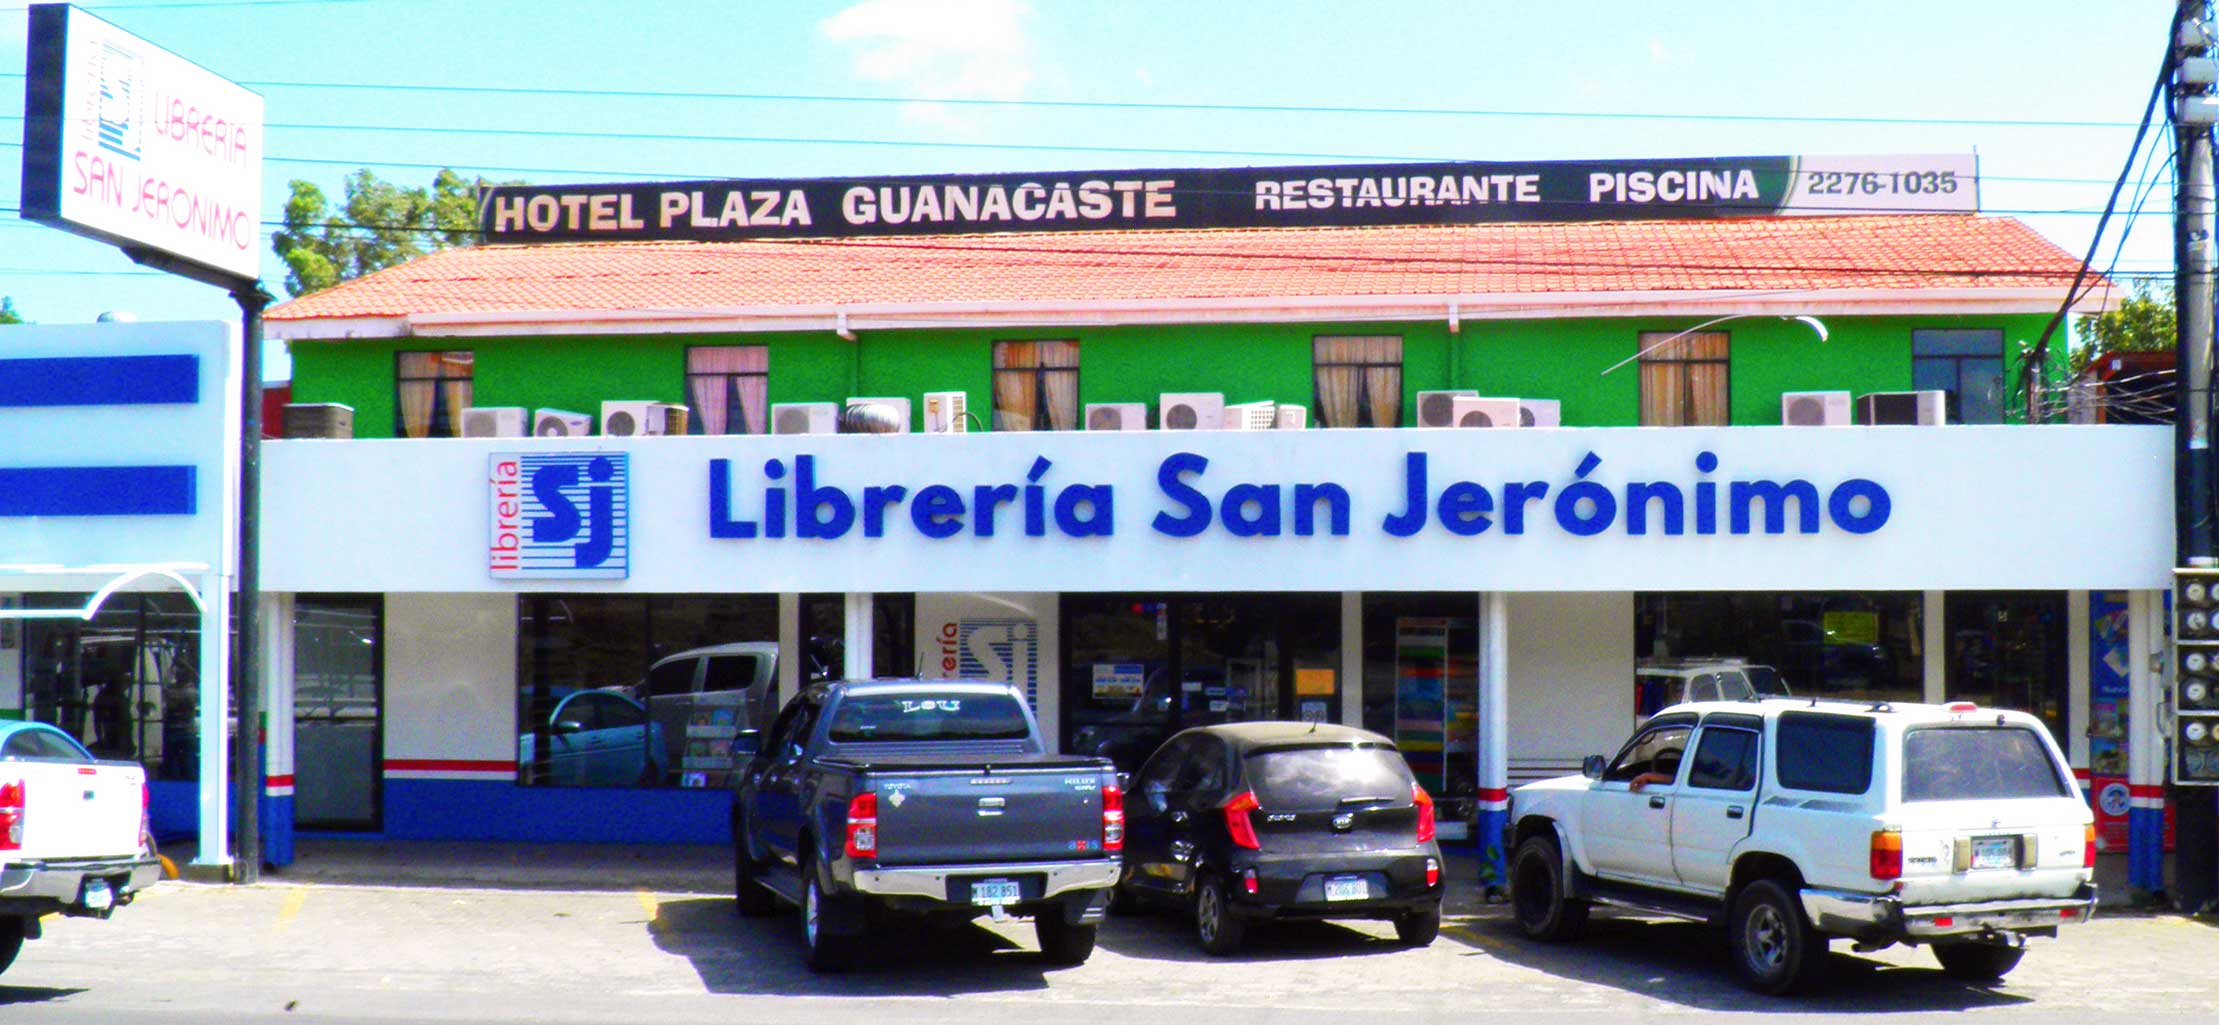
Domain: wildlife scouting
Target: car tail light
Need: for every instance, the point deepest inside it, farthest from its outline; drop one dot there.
(1113, 818)
(2088, 846)
(1887, 854)
(1248, 881)
(11, 816)
(1236, 820)
(863, 825)
(1944, 921)
(146, 817)
(1424, 802)
(1432, 872)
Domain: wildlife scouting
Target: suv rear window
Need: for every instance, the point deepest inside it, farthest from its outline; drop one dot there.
(1830, 753)
(925, 715)
(1317, 778)
(1960, 763)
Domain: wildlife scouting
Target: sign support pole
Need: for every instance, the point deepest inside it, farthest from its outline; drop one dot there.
(246, 667)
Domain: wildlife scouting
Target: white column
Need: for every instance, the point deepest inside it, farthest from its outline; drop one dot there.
(2076, 677)
(1494, 738)
(277, 685)
(792, 650)
(2145, 744)
(215, 707)
(1935, 637)
(857, 645)
(1352, 658)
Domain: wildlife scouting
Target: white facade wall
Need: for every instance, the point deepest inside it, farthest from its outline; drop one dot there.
(1571, 679)
(450, 677)
(965, 634)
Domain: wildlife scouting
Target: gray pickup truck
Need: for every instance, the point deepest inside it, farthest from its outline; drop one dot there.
(927, 798)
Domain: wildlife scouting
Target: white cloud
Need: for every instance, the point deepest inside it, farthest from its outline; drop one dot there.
(953, 49)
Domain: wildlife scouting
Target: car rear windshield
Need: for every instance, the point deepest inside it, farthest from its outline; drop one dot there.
(1830, 753)
(1767, 682)
(928, 716)
(1977, 763)
(1321, 778)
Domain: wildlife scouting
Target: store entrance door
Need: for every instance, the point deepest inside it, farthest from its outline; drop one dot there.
(337, 706)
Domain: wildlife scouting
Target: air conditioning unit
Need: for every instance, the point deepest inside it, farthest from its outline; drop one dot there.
(1814, 408)
(1190, 410)
(805, 418)
(1251, 416)
(1540, 413)
(1117, 416)
(494, 421)
(318, 420)
(561, 423)
(875, 415)
(1924, 408)
(945, 413)
(1437, 408)
(1293, 418)
(1470, 411)
(631, 418)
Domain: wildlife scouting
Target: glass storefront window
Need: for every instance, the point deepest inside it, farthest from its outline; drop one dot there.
(337, 678)
(1849, 645)
(126, 683)
(824, 632)
(1421, 687)
(2007, 650)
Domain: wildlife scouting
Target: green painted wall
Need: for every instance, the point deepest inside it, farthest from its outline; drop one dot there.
(1560, 359)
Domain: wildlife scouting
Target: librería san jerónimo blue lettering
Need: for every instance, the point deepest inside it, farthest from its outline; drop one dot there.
(792, 498)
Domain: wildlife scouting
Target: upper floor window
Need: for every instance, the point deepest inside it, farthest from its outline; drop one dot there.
(431, 389)
(1359, 380)
(1036, 386)
(728, 389)
(1683, 380)
(1968, 364)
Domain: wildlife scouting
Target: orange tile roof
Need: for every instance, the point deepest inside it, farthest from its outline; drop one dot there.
(1907, 252)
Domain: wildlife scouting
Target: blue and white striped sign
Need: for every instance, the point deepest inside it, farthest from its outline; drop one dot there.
(560, 514)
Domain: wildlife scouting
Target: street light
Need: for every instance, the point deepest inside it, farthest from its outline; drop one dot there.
(1814, 322)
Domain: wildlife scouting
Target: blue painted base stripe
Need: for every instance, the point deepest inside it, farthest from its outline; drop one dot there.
(1493, 872)
(99, 381)
(97, 491)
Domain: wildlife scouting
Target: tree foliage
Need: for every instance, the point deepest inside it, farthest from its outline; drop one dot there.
(2143, 322)
(380, 224)
(8, 315)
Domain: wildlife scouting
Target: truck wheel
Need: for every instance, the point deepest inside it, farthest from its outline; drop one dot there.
(1537, 892)
(1063, 942)
(825, 953)
(1418, 928)
(11, 940)
(1775, 950)
(747, 879)
(1978, 962)
(1214, 923)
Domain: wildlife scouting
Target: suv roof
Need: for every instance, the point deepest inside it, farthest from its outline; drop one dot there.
(1904, 712)
(734, 648)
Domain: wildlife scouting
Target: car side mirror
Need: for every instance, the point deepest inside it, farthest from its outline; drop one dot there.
(566, 727)
(1592, 767)
(746, 744)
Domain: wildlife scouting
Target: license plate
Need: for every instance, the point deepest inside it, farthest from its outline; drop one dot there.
(1347, 888)
(97, 895)
(1995, 852)
(995, 891)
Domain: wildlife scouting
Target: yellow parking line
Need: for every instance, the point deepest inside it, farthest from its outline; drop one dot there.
(1466, 934)
(649, 904)
(290, 907)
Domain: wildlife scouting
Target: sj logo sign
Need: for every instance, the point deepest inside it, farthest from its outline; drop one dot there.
(560, 514)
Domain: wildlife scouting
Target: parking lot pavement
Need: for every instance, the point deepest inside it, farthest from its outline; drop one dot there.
(326, 951)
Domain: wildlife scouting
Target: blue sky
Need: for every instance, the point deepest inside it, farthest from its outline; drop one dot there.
(2044, 90)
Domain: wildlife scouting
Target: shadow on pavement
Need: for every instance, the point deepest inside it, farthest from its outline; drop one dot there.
(763, 955)
(33, 994)
(1163, 935)
(1686, 963)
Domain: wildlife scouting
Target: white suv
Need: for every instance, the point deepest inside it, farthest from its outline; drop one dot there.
(1792, 822)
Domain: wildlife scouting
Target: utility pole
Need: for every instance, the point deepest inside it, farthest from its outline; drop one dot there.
(2193, 111)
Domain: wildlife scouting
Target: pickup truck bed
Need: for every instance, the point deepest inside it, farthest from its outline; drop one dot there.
(73, 835)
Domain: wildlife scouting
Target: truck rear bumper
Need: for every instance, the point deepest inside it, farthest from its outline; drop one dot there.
(1869, 917)
(933, 881)
(45, 886)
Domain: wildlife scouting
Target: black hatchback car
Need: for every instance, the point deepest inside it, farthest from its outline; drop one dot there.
(1244, 823)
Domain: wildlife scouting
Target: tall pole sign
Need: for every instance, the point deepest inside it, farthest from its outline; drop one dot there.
(130, 144)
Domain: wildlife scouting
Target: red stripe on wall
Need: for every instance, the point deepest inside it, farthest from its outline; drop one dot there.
(447, 765)
(281, 781)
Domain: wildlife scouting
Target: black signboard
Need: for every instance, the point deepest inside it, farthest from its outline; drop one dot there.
(1247, 197)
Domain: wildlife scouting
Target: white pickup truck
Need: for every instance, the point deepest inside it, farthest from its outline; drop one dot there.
(1793, 822)
(73, 833)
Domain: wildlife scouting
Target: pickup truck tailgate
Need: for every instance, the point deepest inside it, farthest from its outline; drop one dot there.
(1006, 813)
(75, 810)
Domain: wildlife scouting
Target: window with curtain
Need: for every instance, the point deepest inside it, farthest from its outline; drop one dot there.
(1968, 364)
(431, 389)
(728, 389)
(1036, 386)
(1359, 380)
(1683, 382)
